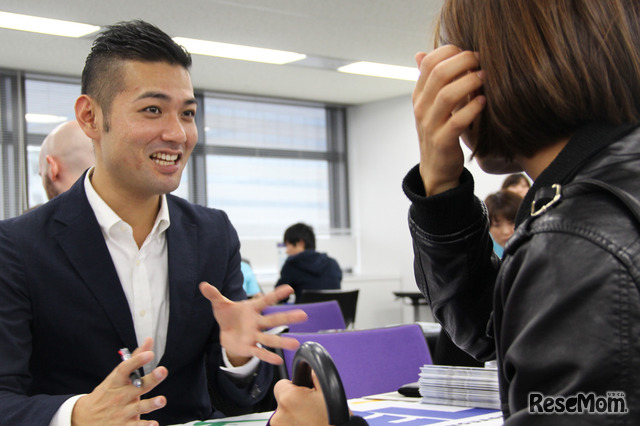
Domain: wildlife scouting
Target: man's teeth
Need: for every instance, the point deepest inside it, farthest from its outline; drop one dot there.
(164, 159)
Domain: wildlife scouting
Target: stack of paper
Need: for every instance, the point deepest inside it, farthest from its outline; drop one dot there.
(461, 386)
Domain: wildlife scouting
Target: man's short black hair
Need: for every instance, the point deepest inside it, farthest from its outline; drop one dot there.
(301, 232)
(135, 40)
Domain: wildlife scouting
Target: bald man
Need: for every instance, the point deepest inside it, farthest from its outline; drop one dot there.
(65, 154)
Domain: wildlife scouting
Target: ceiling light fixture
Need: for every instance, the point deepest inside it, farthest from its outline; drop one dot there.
(34, 24)
(235, 51)
(381, 70)
(44, 118)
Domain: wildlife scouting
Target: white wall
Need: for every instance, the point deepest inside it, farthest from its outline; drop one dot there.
(383, 146)
(382, 149)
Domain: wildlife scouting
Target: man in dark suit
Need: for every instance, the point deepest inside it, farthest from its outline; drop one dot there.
(115, 262)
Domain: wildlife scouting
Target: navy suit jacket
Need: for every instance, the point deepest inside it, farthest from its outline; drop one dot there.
(64, 315)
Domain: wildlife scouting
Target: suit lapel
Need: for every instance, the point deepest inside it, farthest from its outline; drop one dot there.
(182, 241)
(81, 240)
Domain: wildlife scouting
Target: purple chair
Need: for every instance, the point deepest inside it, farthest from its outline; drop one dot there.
(372, 361)
(347, 299)
(321, 316)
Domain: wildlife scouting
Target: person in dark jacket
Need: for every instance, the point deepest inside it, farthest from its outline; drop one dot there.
(305, 268)
(551, 88)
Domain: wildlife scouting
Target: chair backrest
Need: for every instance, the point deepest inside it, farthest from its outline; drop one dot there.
(321, 316)
(348, 300)
(372, 361)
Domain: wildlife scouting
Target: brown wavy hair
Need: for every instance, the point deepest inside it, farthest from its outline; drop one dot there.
(551, 66)
(503, 205)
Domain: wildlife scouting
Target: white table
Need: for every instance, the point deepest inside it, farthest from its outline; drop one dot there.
(387, 409)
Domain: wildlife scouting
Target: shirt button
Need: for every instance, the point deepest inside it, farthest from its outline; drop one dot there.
(137, 262)
(143, 313)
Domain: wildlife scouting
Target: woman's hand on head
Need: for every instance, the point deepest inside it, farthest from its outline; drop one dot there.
(445, 104)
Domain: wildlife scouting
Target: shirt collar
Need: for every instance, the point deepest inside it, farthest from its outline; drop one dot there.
(107, 218)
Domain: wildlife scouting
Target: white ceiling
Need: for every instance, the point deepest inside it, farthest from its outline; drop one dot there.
(386, 31)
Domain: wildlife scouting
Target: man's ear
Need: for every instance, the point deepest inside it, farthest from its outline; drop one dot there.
(89, 116)
(54, 169)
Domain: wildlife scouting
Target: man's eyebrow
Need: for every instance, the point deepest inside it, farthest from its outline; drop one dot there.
(191, 101)
(164, 97)
(155, 95)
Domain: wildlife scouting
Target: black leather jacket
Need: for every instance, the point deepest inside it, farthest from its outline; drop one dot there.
(561, 312)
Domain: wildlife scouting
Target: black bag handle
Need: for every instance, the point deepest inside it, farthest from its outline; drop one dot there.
(312, 356)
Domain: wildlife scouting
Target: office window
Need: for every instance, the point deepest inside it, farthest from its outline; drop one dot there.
(270, 165)
(263, 196)
(267, 163)
(48, 104)
(252, 124)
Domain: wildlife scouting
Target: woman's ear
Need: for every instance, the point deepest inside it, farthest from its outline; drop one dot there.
(88, 115)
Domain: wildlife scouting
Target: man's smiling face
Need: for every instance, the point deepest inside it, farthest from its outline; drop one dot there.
(151, 131)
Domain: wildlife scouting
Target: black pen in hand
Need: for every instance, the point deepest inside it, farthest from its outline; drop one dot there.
(135, 375)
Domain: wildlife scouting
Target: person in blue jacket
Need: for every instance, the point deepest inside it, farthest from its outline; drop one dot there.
(250, 283)
(502, 207)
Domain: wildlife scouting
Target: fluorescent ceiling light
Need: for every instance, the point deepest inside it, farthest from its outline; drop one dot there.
(235, 51)
(34, 24)
(44, 118)
(381, 70)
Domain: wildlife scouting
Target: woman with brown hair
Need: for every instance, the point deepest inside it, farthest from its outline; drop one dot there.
(551, 88)
(518, 183)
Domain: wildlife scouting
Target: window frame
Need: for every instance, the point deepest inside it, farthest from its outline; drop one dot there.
(16, 197)
(335, 155)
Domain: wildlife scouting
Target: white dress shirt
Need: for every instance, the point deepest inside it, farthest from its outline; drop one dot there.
(143, 272)
(144, 275)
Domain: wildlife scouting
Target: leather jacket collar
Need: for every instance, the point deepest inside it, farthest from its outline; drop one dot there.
(583, 145)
